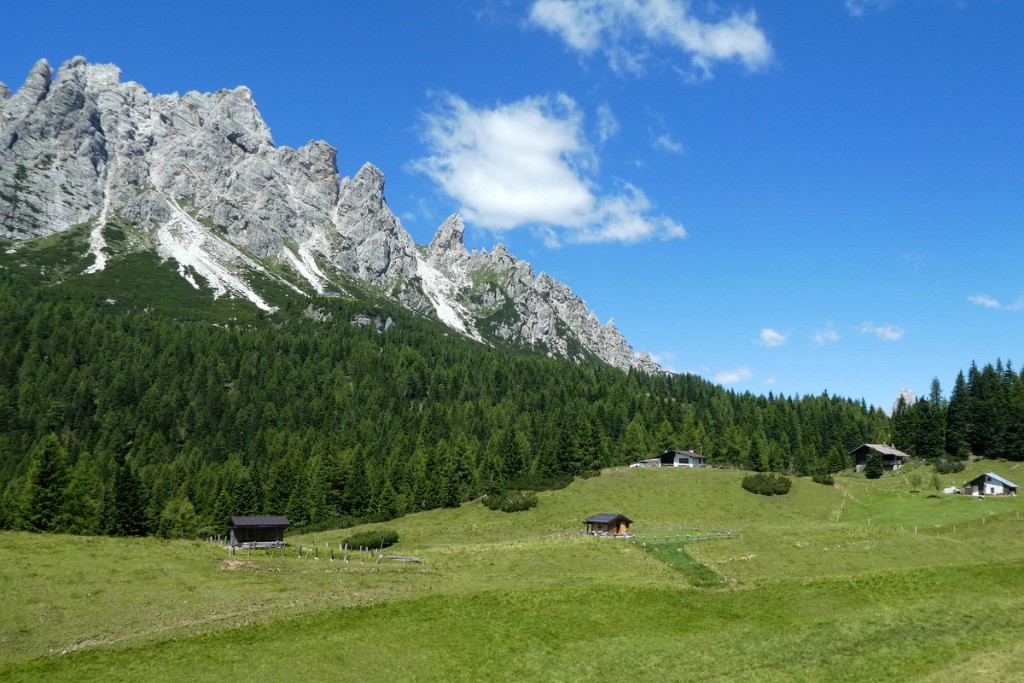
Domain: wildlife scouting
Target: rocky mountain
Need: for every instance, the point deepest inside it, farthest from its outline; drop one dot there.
(198, 180)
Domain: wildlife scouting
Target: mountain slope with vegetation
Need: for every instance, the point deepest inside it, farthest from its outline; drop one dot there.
(339, 408)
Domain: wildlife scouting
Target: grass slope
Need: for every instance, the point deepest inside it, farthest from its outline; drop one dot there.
(825, 583)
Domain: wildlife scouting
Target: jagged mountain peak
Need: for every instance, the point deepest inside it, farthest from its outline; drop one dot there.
(198, 180)
(449, 237)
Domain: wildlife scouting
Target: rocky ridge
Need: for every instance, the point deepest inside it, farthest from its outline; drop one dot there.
(201, 182)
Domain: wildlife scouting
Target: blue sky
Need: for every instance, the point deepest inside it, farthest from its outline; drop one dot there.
(776, 195)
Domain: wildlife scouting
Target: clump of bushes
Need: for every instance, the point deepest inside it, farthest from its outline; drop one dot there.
(767, 484)
(949, 466)
(372, 538)
(511, 501)
(825, 479)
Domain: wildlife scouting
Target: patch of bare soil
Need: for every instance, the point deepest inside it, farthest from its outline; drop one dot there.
(233, 565)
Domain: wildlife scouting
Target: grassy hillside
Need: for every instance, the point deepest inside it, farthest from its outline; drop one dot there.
(824, 583)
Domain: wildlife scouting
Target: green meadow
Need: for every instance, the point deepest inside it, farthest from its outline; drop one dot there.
(862, 581)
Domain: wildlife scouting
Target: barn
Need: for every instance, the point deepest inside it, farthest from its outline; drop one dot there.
(262, 531)
(608, 524)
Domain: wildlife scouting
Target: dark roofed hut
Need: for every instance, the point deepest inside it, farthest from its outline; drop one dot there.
(265, 531)
(892, 458)
(608, 524)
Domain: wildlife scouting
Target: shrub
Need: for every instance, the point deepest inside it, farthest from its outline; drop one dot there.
(873, 468)
(511, 501)
(949, 466)
(373, 538)
(826, 479)
(769, 484)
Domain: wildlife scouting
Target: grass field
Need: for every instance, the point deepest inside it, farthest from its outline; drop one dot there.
(863, 581)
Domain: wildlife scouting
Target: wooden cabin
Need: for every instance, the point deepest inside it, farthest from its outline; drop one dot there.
(264, 531)
(608, 525)
(990, 484)
(892, 458)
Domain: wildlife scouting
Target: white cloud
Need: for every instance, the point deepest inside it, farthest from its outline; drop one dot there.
(527, 164)
(732, 376)
(624, 30)
(885, 333)
(988, 302)
(826, 336)
(667, 143)
(857, 8)
(771, 338)
(607, 124)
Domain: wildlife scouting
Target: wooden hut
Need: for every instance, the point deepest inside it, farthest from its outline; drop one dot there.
(608, 525)
(892, 458)
(264, 531)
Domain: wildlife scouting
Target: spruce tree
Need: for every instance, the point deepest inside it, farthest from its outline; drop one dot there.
(44, 494)
(125, 512)
(873, 468)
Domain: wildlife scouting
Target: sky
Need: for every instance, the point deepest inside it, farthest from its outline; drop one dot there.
(780, 196)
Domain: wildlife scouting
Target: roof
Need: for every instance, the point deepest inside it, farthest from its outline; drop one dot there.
(607, 518)
(260, 520)
(993, 475)
(690, 453)
(883, 449)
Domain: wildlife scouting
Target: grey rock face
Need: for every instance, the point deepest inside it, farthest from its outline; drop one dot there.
(200, 178)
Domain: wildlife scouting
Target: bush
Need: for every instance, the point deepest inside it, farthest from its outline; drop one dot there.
(372, 538)
(769, 484)
(826, 479)
(873, 468)
(949, 466)
(512, 501)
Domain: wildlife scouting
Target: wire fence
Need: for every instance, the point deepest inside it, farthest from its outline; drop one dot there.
(684, 535)
(670, 534)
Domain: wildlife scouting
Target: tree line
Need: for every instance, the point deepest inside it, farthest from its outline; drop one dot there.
(122, 420)
(984, 416)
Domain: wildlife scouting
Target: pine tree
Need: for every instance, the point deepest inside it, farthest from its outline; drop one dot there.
(873, 467)
(957, 419)
(125, 512)
(635, 442)
(43, 498)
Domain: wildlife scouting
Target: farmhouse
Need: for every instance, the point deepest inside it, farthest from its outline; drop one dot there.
(673, 458)
(608, 525)
(892, 458)
(266, 531)
(990, 484)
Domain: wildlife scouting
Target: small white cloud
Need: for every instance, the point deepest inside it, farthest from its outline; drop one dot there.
(772, 338)
(732, 376)
(625, 31)
(528, 163)
(984, 300)
(885, 333)
(826, 336)
(857, 8)
(666, 143)
(607, 124)
(988, 302)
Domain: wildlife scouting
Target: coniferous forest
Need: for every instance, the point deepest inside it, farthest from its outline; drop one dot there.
(118, 419)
